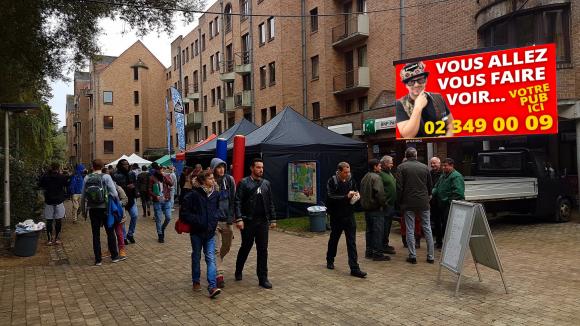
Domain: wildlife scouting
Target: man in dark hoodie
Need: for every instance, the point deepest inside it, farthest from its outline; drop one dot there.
(54, 185)
(128, 181)
(224, 233)
(75, 189)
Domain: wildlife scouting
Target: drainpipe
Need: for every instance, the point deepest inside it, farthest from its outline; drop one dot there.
(223, 63)
(200, 82)
(401, 29)
(251, 50)
(304, 79)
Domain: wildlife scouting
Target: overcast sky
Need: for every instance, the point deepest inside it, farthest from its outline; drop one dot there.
(115, 39)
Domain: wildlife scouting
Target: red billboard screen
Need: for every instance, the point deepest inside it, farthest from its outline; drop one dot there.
(495, 93)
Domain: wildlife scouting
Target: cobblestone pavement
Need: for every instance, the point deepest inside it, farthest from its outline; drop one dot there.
(541, 261)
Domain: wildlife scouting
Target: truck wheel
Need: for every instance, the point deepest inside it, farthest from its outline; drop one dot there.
(563, 210)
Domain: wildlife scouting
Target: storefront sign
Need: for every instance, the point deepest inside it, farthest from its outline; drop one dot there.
(493, 93)
(371, 126)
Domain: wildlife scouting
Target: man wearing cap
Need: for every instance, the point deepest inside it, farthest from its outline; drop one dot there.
(418, 107)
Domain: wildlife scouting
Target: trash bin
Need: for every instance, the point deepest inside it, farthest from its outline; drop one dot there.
(26, 244)
(317, 218)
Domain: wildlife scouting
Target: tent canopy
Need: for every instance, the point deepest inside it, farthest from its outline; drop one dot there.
(165, 160)
(114, 163)
(243, 127)
(136, 159)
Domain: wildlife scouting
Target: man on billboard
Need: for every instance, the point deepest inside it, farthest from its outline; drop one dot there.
(418, 107)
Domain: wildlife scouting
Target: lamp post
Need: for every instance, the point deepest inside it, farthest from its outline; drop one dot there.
(10, 108)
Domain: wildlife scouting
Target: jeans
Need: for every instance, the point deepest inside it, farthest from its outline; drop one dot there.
(133, 213)
(172, 200)
(166, 208)
(389, 214)
(98, 219)
(208, 245)
(374, 233)
(348, 226)
(254, 231)
(426, 226)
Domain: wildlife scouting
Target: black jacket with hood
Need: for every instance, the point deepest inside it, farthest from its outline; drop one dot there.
(227, 192)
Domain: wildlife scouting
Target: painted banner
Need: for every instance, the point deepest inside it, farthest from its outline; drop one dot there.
(168, 126)
(302, 182)
(487, 93)
(179, 118)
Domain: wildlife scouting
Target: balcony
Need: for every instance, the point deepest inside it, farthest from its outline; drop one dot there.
(194, 120)
(227, 104)
(243, 99)
(243, 66)
(87, 92)
(227, 73)
(352, 81)
(352, 31)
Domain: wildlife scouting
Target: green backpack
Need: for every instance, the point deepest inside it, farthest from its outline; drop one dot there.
(96, 191)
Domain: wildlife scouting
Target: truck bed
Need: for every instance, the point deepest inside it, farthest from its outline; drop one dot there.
(481, 189)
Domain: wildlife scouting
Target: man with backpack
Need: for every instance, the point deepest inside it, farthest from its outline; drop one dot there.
(75, 188)
(143, 186)
(127, 180)
(224, 233)
(95, 197)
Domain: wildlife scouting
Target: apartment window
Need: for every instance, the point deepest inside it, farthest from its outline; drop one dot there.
(244, 9)
(217, 60)
(206, 132)
(213, 130)
(228, 17)
(219, 127)
(245, 48)
(272, 70)
(202, 42)
(264, 116)
(229, 89)
(195, 105)
(195, 82)
(315, 110)
(314, 20)
(108, 147)
(136, 117)
(174, 63)
(136, 97)
(210, 30)
(271, 28)
(314, 65)
(216, 26)
(248, 115)
(205, 103)
(213, 97)
(218, 92)
(108, 122)
(196, 135)
(137, 146)
(262, 33)
(196, 47)
(551, 25)
(262, 77)
(363, 103)
(182, 57)
(204, 73)
(135, 73)
(192, 53)
(185, 86)
(362, 56)
(211, 62)
(348, 106)
(107, 97)
(272, 111)
(187, 54)
(361, 6)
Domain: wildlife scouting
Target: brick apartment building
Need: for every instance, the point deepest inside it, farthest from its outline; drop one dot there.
(119, 107)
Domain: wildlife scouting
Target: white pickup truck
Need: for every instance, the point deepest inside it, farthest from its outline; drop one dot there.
(518, 181)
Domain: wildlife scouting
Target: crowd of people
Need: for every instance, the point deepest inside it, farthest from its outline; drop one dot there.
(211, 205)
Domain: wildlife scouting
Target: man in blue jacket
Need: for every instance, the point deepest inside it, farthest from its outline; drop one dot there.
(76, 189)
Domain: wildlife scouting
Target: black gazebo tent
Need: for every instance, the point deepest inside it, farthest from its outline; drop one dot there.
(291, 137)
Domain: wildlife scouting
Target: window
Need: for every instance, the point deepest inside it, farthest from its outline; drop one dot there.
(245, 48)
(196, 47)
(204, 73)
(537, 27)
(206, 132)
(271, 28)
(108, 147)
(196, 105)
(213, 97)
(187, 54)
(137, 146)
(348, 106)
(362, 56)
(192, 53)
(210, 30)
(262, 33)
(182, 57)
(213, 130)
(272, 69)
(314, 65)
(196, 135)
(363, 103)
(135, 73)
(217, 60)
(174, 63)
(314, 20)
(228, 17)
(247, 82)
(315, 110)
(185, 86)
(262, 77)
(264, 116)
(361, 6)
(230, 89)
(108, 122)
(218, 92)
(107, 97)
(219, 127)
(136, 121)
(244, 9)
(248, 115)
(272, 111)
(202, 42)
(205, 103)
(136, 97)
(211, 64)
(216, 26)
(195, 82)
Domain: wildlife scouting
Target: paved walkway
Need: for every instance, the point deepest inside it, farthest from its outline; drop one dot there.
(541, 261)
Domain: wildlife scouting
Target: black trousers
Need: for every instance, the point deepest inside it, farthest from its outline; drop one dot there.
(98, 219)
(348, 226)
(439, 221)
(255, 230)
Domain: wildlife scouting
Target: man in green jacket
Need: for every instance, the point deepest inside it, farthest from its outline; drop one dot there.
(390, 186)
(373, 200)
(450, 186)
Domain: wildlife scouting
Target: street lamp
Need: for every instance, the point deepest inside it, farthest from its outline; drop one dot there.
(10, 108)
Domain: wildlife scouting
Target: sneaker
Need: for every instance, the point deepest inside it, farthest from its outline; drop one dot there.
(238, 276)
(220, 282)
(266, 284)
(98, 263)
(131, 238)
(126, 242)
(412, 260)
(196, 286)
(390, 250)
(213, 293)
(381, 258)
(160, 238)
(123, 253)
(358, 273)
(330, 265)
(116, 259)
(431, 261)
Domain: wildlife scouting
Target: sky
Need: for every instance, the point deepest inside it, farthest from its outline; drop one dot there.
(115, 39)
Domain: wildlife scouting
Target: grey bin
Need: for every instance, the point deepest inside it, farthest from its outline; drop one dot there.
(26, 244)
(317, 216)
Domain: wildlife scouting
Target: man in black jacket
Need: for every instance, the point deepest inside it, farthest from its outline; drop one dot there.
(54, 185)
(341, 188)
(128, 181)
(255, 212)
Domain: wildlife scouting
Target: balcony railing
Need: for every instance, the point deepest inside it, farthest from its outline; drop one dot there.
(355, 80)
(243, 99)
(351, 31)
(243, 63)
(226, 104)
(194, 120)
(227, 73)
